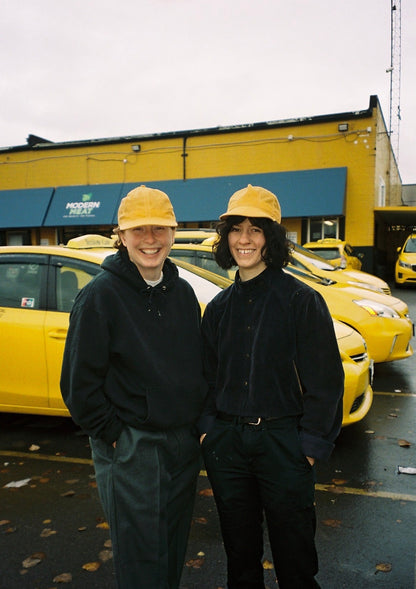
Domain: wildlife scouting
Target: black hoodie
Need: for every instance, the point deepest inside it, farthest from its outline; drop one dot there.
(133, 352)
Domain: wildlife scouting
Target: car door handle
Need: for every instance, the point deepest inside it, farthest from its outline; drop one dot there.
(58, 333)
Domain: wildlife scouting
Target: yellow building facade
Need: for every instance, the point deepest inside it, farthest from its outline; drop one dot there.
(331, 169)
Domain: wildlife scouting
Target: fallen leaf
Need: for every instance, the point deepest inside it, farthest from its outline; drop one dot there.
(339, 481)
(4, 522)
(47, 521)
(63, 578)
(336, 490)
(44, 480)
(72, 482)
(33, 560)
(68, 494)
(103, 526)
(33, 448)
(370, 483)
(369, 431)
(10, 530)
(267, 565)
(200, 520)
(195, 563)
(201, 553)
(105, 555)
(332, 523)
(17, 484)
(91, 566)
(206, 492)
(82, 529)
(383, 567)
(108, 544)
(47, 532)
(404, 444)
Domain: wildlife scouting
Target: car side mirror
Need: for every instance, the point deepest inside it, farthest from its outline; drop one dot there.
(360, 256)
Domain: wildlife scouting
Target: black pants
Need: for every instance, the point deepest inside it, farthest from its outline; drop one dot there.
(256, 470)
(147, 487)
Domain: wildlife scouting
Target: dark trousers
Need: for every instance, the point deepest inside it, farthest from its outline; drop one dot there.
(147, 487)
(256, 471)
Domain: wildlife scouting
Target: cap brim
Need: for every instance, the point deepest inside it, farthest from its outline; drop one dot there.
(248, 212)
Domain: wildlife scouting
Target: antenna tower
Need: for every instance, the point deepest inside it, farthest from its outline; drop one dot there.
(395, 75)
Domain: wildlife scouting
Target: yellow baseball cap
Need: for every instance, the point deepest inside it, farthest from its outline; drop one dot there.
(254, 201)
(145, 206)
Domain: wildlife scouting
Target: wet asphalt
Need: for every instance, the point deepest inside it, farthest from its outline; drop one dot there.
(53, 532)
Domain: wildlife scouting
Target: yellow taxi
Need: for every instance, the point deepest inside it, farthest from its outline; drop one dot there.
(358, 367)
(38, 285)
(405, 269)
(195, 235)
(358, 371)
(337, 252)
(308, 260)
(381, 319)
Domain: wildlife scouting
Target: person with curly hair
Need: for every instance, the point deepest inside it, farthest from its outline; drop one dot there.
(276, 382)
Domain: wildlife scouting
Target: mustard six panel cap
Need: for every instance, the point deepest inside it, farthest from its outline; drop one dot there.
(146, 206)
(254, 201)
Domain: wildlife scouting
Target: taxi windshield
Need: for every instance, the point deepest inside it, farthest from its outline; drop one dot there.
(410, 247)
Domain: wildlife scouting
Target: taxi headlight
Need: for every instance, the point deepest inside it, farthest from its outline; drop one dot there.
(366, 285)
(377, 309)
(404, 264)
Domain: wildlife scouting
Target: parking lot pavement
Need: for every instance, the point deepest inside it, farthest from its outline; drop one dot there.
(366, 532)
(53, 524)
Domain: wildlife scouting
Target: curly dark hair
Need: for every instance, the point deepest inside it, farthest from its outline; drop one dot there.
(275, 253)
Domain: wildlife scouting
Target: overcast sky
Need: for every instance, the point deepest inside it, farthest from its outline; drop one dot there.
(89, 69)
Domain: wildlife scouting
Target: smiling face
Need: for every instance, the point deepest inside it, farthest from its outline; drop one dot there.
(148, 247)
(246, 242)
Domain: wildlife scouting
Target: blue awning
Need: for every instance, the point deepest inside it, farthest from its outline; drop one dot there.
(84, 205)
(305, 193)
(24, 208)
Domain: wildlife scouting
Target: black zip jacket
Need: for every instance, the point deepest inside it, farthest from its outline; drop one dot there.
(133, 352)
(270, 350)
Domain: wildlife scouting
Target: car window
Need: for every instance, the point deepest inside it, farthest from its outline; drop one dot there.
(185, 255)
(311, 257)
(410, 247)
(206, 261)
(70, 278)
(327, 253)
(20, 284)
(298, 258)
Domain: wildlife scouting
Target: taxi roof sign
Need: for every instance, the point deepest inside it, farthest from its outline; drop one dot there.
(90, 241)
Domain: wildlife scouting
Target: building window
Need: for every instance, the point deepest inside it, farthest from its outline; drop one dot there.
(18, 237)
(323, 228)
(381, 193)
